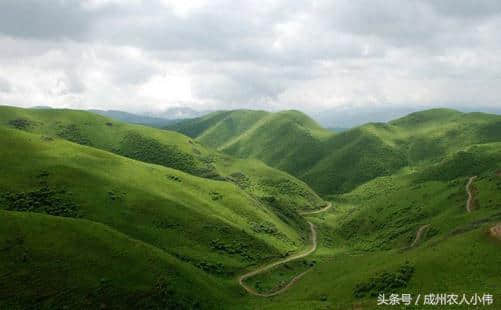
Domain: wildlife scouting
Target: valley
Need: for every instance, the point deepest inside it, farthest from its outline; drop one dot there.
(248, 209)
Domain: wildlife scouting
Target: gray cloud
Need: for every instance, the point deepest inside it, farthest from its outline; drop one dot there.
(43, 19)
(5, 86)
(310, 55)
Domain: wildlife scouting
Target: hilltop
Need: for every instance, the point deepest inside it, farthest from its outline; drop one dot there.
(166, 148)
(128, 207)
(338, 162)
(101, 213)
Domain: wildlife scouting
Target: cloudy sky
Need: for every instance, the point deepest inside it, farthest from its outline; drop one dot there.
(147, 56)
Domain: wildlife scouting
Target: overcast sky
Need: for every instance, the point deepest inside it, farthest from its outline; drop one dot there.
(277, 54)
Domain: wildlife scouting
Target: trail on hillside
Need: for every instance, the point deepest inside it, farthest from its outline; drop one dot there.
(469, 202)
(329, 205)
(313, 241)
(419, 233)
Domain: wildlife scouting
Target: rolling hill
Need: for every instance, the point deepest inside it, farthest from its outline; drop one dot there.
(104, 214)
(138, 205)
(166, 148)
(337, 163)
(135, 118)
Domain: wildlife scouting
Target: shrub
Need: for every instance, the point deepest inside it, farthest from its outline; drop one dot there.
(385, 283)
(20, 123)
(72, 133)
(44, 200)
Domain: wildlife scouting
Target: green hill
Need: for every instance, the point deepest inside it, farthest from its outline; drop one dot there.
(287, 140)
(370, 245)
(337, 163)
(50, 262)
(136, 217)
(166, 148)
(224, 229)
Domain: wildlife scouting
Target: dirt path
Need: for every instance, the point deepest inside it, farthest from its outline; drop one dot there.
(329, 205)
(471, 196)
(419, 233)
(313, 247)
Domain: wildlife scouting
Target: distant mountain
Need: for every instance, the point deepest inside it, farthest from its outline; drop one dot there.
(179, 113)
(41, 107)
(349, 117)
(135, 118)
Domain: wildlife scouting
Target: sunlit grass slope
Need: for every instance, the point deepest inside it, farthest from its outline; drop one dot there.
(337, 163)
(213, 227)
(160, 147)
(370, 235)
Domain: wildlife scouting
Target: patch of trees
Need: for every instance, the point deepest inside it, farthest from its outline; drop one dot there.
(240, 179)
(209, 267)
(216, 196)
(20, 123)
(385, 283)
(149, 150)
(44, 200)
(72, 133)
(462, 164)
(265, 227)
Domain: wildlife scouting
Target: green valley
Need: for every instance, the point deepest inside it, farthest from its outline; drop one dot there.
(224, 212)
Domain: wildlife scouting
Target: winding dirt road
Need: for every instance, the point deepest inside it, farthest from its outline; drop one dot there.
(419, 233)
(313, 247)
(469, 202)
(329, 205)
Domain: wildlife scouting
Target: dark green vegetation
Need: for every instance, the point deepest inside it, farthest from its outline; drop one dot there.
(101, 213)
(385, 283)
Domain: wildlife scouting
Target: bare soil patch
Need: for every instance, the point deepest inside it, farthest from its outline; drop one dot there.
(495, 231)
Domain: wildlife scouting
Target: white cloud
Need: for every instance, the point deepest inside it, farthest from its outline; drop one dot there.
(148, 55)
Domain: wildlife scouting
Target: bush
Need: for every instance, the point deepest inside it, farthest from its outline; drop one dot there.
(265, 227)
(138, 147)
(44, 200)
(20, 123)
(385, 283)
(72, 133)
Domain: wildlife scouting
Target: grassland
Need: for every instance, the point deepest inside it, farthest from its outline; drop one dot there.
(214, 227)
(180, 221)
(166, 148)
(338, 163)
(365, 240)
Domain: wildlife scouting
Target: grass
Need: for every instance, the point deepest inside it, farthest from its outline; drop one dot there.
(337, 163)
(53, 262)
(148, 203)
(365, 238)
(179, 221)
(151, 145)
(277, 278)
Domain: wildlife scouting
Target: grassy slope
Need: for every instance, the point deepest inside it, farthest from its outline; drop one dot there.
(369, 231)
(286, 140)
(371, 227)
(53, 262)
(223, 228)
(156, 146)
(338, 163)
